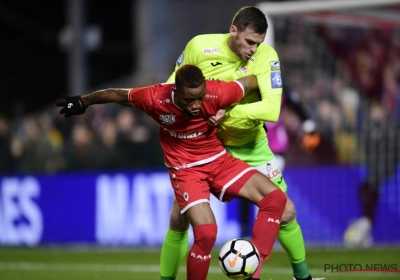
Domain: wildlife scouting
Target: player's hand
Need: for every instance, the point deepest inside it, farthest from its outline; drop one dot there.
(72, 105)
(214, 120)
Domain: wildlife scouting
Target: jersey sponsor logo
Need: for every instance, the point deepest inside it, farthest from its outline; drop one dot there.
(276, 80)
(272, 170)
(180, 59)
(211, 50)
(167, 119)
(275, 65)
(184, 135)
(242, 69)
(216, 63)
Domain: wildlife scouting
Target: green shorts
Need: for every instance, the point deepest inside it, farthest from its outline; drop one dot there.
(259, 155)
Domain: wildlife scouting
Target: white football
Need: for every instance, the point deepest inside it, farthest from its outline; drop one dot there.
(238, 259)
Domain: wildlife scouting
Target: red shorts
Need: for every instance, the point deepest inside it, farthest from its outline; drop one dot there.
(223, 177)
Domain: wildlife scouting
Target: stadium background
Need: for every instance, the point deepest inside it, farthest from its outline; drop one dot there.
(99, 179)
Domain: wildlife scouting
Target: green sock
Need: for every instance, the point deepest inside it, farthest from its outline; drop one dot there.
(291, 239)
(173, 251)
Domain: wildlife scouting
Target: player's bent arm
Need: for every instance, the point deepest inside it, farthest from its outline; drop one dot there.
(270, 85)
(267, 109)
(110, 95)
(249, 83)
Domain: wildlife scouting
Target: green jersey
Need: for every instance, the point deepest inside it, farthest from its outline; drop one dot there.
(244, 122)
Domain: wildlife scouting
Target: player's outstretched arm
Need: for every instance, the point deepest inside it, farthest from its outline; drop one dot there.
(76, 105)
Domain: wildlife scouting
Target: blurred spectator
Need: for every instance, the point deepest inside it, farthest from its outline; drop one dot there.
(391, 83)
(33, 149)
(381, 141)
(278, 136)
(108, 156)
(347, 133)
(133, 140)
(83, 149)
(6, 159)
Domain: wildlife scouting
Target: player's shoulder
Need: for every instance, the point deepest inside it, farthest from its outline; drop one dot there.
(208, 39)
(217, 85)
(161, 88)
(265, 50)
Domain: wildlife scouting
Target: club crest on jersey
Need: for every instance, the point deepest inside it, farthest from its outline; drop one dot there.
(275, 65)
(180, 60)
(211, 50)
(242, 69)
(167, 119)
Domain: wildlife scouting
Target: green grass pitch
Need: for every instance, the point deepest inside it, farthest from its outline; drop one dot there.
(86, 263)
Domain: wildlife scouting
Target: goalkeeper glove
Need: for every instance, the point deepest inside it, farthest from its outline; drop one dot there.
(72, 105)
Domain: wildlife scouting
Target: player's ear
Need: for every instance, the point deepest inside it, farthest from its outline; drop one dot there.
(233, 31)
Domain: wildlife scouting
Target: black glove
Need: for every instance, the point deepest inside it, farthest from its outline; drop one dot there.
(71, 106)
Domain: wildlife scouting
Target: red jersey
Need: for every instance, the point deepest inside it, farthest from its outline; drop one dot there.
(186, 140)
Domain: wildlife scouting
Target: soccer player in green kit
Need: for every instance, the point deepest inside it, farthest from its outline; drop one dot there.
(226, 57)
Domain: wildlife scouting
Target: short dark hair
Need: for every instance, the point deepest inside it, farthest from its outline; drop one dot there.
(250, 17)
(189, 76)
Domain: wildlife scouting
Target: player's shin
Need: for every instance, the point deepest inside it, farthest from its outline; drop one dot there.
(173, 252)
(267, 224)
(198, 260)
(291, 239)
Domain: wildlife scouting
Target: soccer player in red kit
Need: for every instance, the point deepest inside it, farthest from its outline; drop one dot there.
(197, 162)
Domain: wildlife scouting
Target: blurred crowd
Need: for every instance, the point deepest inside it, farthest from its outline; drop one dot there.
(105, 138)
(338, 73)
(348, 71)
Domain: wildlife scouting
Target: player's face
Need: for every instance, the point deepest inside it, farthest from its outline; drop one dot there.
(245, 43)
(190, 99)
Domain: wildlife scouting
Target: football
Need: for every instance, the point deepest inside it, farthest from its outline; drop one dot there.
(238, 259)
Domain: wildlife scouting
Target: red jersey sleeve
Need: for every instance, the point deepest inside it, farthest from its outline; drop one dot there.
(230, 92)
(142, 98)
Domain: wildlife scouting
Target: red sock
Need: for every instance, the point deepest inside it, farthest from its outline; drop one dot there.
(198, 260)
(266, 225)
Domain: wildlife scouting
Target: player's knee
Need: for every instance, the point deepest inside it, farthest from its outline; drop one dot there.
(275, 199)
(205, 236)
(178, 222)
(289, 214)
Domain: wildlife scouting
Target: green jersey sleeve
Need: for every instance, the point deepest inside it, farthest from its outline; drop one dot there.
(270, 84)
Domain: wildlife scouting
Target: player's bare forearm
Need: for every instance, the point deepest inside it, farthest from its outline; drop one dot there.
(110, 95)
(249, 83)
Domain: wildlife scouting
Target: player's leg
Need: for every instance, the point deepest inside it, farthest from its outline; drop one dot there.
(271, 202)
(192, 193)
(290, 235)
(175, 244)
(291, 239)
(204, 227)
